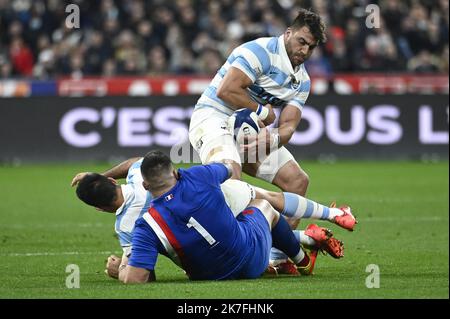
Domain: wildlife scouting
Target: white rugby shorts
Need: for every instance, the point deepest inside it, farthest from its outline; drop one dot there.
(210, 136)
(238, 195)
(212, 139)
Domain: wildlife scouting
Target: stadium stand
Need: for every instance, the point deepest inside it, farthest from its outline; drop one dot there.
(184, 37)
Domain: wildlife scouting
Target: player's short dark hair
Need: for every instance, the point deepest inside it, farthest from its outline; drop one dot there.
(155, 163)
(97, 190)
(314, 23)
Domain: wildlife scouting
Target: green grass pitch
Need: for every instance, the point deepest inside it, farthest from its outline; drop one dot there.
(402, 208)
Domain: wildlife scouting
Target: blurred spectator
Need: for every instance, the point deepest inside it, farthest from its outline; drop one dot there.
(380, 52)
(76, 65)
(318, 64)
(138, 37)
(98, 51)
(130, 58)
(340, 61)
(109, 68)
(203, 41)
(393, 12)
(273, 25)
(210, 62)
(5, 68)
(147, 37)
(21, 57)
(354, 42)
(185, 62)
(45, 66)
(188, 24)
(424, 62)
(157, 61)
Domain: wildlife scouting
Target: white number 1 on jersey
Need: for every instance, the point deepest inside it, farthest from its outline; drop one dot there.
(194, 223)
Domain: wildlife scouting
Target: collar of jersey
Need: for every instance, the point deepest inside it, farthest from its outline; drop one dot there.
(285, 57)
(170, 191)
(128, 194)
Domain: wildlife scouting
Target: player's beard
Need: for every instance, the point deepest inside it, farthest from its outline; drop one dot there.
(296, 59)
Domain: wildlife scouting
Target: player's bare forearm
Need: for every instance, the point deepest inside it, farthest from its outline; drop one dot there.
(122, 267)
(274, 139)
(233, 90)
(289, 119)
(286, 132)
(121, 170)
(135, 275)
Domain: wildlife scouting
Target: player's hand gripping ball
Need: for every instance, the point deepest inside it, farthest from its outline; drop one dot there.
(243, 124)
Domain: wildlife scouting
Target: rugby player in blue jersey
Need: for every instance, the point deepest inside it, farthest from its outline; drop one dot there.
(190, 222)
(260, 75)
(130, 201)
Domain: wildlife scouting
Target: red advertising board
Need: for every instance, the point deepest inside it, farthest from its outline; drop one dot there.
(172, 86)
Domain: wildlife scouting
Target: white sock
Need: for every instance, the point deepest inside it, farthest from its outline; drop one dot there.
(277, 256)
(304, 239)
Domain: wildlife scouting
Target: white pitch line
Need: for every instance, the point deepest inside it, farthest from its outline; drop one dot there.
(56, 225)
(62, 253)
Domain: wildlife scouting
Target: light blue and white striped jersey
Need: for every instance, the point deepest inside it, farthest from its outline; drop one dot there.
(266, 63)
(136, 202)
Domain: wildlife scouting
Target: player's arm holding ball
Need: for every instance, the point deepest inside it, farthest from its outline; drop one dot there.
(272, 140)
(289, 119)
(233, 90)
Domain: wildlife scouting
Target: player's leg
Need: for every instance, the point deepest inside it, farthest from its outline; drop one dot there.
(296, 207)
(281, 169)
(314, 236)
(239, 194)
(275, 169)
(287, 175)
(284, 239)
(210, 137)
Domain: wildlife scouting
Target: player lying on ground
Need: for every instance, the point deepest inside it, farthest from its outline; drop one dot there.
(130, 201)
(190, 222)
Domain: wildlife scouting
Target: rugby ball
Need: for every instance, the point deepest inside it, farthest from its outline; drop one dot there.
(243, 124)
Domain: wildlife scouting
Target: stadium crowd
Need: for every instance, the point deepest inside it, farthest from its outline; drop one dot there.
(189, 37)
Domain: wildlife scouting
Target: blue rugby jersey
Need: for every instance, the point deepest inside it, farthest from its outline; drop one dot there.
(192, 225)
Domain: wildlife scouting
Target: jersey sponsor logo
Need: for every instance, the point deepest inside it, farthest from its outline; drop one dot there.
(168, 197)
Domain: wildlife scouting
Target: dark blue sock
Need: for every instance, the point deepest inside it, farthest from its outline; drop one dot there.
(284, 239)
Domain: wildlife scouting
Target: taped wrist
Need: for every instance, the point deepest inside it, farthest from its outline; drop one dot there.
(262, 112)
